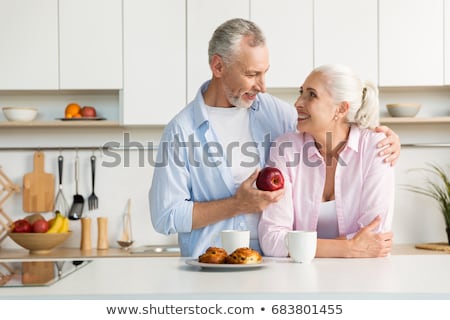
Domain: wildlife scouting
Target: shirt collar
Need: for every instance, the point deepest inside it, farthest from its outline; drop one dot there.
(353, 138)
(200, 111)
(352, 142)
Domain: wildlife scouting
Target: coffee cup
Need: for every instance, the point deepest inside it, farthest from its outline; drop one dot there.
(301, 245)
(234, 239)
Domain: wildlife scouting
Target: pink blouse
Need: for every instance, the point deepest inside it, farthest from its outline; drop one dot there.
(364, 188)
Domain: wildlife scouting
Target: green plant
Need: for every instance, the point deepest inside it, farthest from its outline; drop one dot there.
(438, 189)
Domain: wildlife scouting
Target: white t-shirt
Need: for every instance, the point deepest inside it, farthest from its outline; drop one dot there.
(232, 127)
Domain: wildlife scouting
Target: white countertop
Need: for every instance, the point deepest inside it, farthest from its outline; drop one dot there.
(421, 275)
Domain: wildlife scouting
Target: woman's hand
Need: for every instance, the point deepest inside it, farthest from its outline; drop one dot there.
(368, 244)
(390, 145)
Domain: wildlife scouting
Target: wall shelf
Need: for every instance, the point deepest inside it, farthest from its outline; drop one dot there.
(60, 124)
(116, 124)
(390, 120)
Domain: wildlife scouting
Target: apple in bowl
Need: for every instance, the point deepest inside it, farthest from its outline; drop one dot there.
(270, 179)
(21, 226)
(40, 226)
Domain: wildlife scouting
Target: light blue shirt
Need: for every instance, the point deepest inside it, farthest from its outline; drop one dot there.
(191, 166)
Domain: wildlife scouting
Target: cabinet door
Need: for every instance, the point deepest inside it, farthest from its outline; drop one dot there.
(90, 44)
(203, 17)
(29, 44)
(411, 42)
(154, 61)
(346, 32)
(288, 26)
(447, 41)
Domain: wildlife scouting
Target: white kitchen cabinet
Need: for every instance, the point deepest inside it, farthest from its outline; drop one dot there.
(90, 35)
(28, 44)
(288, 26)
(411, 44)
(203, 17)
(346, 32)
(154, 61)
(447, 42)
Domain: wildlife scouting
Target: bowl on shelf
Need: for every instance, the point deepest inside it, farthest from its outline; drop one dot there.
(39, 243)
(403, 109)
(23, 114)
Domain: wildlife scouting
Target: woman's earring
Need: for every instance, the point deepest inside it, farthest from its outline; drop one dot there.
(335, 117)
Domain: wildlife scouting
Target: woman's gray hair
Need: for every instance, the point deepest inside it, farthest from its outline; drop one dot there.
(344, 85)
(227, 37)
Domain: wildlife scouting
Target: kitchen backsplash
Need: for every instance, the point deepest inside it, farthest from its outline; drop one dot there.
(120, 175)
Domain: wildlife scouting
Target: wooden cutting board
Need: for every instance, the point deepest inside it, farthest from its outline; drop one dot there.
(37, 272)
(38, 187)
(438, 246)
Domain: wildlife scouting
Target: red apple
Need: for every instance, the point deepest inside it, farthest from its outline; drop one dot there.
(88, 111)
(21, 226)
(270, 179)
(40, 226)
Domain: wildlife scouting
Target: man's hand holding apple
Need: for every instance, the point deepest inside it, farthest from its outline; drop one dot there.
(251, 199)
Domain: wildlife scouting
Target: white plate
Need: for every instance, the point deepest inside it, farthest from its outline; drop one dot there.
(82, 119)
(194, 262)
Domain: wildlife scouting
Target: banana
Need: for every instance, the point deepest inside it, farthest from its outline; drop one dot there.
(57, 224)
(65, 225)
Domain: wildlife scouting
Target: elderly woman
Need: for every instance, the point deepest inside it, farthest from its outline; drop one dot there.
(334, 181)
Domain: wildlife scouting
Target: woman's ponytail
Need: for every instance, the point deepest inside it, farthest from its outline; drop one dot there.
(368, 114)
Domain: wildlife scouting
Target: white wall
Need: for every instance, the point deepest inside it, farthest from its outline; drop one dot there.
(113, 186)
(416, 219)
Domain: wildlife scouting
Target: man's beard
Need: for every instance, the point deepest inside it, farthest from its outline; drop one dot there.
(237, 101)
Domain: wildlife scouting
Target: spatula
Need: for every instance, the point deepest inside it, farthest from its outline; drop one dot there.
(78, 201)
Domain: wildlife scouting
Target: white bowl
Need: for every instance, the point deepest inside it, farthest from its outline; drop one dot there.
(403, 109)
(20, 113)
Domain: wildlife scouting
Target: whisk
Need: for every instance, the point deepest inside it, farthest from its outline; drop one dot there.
(61, 204)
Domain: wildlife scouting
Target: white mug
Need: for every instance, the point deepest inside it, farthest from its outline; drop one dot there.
(301, 245)
(234, 239)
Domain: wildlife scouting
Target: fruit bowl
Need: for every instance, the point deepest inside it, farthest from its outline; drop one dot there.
(403, 109)
(23, 114)
(39, 243)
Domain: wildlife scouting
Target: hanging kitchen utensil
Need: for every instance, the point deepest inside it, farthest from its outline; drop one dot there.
(76, 210)
(38, 187)
(93, 199)
(126, 238)
(61, 204)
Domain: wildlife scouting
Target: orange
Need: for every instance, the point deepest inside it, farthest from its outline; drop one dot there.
(72, 109)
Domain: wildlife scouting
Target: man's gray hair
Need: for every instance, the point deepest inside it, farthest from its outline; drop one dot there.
(227, 37)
